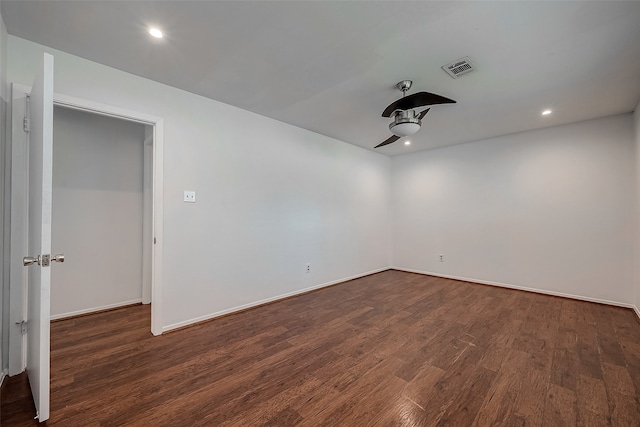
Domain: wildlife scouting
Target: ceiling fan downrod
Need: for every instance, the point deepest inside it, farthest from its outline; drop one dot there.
(404, 86)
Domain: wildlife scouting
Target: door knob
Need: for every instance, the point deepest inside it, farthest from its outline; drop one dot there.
(28, 260)
(43, 260)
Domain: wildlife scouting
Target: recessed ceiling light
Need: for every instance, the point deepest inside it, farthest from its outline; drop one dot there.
(407, 143)
(155, 33)
(546, 112)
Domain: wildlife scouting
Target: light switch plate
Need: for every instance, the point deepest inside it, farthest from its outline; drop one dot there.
(190, 196)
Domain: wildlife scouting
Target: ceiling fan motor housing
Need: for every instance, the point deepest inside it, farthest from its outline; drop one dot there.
(404, 85)
(405, 123)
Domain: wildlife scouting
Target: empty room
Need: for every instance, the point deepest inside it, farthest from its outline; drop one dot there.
(320, 213)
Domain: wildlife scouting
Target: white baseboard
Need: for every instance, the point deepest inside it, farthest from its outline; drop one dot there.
(265, 301)
(522, 288)
(637, 310)
(94, 309)
(3, 375)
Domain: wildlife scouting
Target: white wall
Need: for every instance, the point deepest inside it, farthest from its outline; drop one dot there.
(270, 197)
(636, 121)
(4, 171)
(97, 212)
(550, 210)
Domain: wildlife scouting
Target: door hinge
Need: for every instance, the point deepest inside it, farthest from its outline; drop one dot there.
(26, 125)
(23, 327)
(154, 240)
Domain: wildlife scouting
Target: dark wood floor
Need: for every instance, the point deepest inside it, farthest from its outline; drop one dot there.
(389, 349)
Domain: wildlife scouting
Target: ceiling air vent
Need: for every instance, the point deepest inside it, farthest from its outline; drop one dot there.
(460, 67)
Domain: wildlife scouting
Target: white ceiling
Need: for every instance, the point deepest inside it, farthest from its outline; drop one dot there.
(331, 67)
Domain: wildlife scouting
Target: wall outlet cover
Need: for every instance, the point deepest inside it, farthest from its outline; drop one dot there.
(190, 196)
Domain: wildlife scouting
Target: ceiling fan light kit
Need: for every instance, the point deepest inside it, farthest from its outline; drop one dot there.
(405, 123)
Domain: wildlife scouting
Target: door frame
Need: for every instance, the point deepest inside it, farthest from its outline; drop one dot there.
(19, 188)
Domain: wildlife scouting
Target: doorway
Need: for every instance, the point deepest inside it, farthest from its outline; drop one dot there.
(100, 184)
(153, 148)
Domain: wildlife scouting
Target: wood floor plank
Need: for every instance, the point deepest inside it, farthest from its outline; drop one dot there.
(389, 349)
(592, 397)
(338, 411)
(372, 406)
(423, 383)
(589, 354)
(267, 410)
(631, 352)
(625, 410)
(610, 349)
(591, 419)
(458, 378)
(617, 380)
(501, 397)
(494, 357)
(532, 396)
(560, 407)
(465, 407)
(563, 369)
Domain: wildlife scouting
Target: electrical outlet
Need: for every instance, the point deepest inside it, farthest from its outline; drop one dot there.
(190, 196)
(441, 258)
(308, 268)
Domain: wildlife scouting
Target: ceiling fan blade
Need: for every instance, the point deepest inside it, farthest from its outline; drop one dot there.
(424, 113)
(415, 100)
(388, 141)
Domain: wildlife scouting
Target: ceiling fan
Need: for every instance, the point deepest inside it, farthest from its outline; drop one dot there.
(405, 120)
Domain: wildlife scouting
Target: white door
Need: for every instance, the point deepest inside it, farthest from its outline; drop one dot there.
(39, 239)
